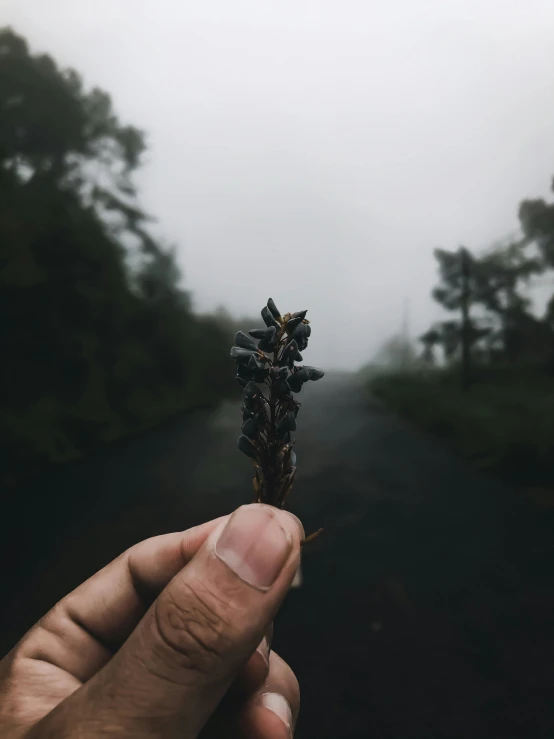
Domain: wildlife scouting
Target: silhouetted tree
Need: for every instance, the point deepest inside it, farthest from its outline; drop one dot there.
(90, 348)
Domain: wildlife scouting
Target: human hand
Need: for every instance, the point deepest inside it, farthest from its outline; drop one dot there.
(150, 645)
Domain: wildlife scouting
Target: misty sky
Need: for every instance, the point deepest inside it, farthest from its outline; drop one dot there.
(317, 150)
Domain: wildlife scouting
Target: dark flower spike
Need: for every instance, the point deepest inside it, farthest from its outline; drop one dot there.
(269, 376)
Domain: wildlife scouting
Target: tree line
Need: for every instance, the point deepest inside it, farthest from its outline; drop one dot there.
(488, 294)
(98, 336)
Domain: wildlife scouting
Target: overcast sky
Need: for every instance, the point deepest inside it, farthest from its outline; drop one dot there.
(318, 150)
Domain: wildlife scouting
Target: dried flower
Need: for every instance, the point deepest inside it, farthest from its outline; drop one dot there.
(266, 370)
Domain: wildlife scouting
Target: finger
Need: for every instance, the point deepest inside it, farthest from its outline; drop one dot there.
(81, 633)
(254, 673)
(181, 659)
(272, 711)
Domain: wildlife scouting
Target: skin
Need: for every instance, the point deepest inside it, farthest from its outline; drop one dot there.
(154, 643)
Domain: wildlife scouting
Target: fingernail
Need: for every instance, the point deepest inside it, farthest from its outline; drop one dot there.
(263, 650)
(280, 707)
(254, 545)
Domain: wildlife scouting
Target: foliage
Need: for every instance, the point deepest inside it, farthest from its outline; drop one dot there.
(504, 425)
(491, 286)
(91, 349)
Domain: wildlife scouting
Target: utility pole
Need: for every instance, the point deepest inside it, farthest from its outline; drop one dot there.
(465, 328)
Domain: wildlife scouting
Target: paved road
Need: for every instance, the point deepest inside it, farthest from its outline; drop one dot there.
(426, 607)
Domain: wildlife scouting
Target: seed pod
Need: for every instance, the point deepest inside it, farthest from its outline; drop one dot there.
(300, 314)
(246, 447)
(247, 413)
(263, 333)
(273, 308)
(294, 384)
(241, 355)
(268, 345)
(300, 333)
(268, 317)
(254, 363)
(245, 341)
(315, 374)
(244, 371)
(290, 353)
(250, 428)
(297, 379)
(292, 323)
(287, 423)
(302, 374)
(251, 391)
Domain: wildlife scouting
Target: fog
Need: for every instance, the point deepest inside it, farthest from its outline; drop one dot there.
(316, 150)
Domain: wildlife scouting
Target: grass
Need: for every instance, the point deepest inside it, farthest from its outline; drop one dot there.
(504, 423)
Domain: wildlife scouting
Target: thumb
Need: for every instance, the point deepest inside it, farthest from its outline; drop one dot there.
(176, 666)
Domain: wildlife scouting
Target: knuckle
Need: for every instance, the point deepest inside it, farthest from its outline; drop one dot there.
(196, 629)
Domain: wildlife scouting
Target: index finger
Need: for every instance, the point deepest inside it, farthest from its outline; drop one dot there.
(87, 626)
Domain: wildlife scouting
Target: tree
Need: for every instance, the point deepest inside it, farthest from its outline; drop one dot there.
(458, 291)
(491, 284)
(90, 348)
(537, 221)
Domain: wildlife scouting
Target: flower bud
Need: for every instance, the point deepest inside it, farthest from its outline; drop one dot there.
(268, 317)
(263, 333)
(273, 308)
(292, 323)
(242, 355)
(250, 428)
(246, 447)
